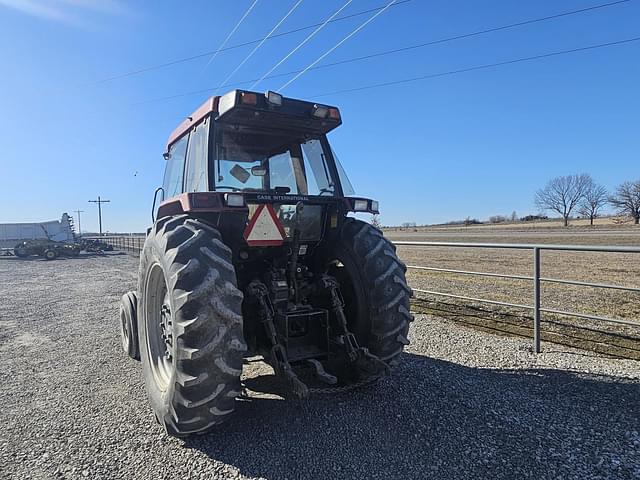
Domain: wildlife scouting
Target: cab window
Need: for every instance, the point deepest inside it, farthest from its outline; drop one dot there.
(266, 160)
(174, 171)
(197, 178)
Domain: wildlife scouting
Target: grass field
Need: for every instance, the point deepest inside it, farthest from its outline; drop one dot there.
(610, 268)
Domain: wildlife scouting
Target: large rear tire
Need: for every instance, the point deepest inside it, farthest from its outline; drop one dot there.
(190, 325)
(373, 284)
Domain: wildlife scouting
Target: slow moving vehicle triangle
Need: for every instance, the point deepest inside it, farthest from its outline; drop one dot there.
(264, 228)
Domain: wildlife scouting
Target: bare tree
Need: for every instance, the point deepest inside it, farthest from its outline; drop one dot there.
(563, 194)
(375, 221)
(595, 197)
(627, 200)
(497, 219)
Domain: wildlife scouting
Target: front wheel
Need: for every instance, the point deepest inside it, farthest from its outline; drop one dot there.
(190, 325)
(129, 325)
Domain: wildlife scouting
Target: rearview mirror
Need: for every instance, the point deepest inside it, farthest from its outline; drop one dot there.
(258, 171)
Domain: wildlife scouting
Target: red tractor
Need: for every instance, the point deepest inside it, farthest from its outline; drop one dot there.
(252, 252)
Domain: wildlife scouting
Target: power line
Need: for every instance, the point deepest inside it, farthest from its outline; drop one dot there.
(291, 10)
(398, 50)
(478, 67)
(302, 43)
(468, 35)
(232, 47)
(224, 43)
(315, 62)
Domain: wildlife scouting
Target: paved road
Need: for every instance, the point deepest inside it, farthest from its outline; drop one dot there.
(462, 404)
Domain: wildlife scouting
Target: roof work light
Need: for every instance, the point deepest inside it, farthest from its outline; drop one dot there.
(274, 98)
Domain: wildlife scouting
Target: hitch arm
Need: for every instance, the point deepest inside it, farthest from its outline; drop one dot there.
(359, 356)
(281, 365)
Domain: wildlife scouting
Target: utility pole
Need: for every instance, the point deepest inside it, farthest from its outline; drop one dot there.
(99, 201)
(79, 226)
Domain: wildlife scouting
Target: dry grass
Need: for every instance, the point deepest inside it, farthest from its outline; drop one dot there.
(609, 268)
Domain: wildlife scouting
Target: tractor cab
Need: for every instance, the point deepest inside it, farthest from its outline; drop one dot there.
(245, 149)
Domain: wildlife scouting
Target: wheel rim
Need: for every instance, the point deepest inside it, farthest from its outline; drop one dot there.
(159, 327)
(51, 255)
(124, 328)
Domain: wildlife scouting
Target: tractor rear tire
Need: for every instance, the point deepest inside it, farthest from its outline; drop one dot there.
(190, 325)
(50, 254)
(374, 287)
(21, 251)
(129, 325)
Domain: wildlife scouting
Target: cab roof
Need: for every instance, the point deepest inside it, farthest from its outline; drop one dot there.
(209, 106)
(225, 105)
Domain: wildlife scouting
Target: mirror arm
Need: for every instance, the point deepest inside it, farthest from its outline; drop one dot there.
(153, 208)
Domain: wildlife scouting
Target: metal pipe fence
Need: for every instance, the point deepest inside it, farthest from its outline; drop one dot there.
(135, 243)
(536, 278)
(126, 243)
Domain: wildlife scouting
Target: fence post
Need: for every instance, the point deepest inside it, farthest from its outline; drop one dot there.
(536, 300)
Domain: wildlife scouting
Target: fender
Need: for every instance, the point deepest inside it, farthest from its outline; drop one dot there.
(198, 202)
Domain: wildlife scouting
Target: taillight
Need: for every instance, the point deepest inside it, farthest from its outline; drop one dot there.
(248, 98)
(204, 200)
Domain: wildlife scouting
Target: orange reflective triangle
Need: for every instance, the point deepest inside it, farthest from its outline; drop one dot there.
(264, 228)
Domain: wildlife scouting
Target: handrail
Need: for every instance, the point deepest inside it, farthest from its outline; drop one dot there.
(536, 278)
(526, 246)
(135, 243)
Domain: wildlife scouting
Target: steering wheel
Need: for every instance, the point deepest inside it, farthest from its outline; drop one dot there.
(233, 189)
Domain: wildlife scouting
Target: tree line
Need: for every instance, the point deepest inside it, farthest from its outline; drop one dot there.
(580, 193)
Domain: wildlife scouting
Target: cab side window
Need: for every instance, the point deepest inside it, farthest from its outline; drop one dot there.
(197, 177)
(174, 171)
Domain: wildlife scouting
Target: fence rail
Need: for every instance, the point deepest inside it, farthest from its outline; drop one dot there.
(536, 278)
(130, 243)
(134, 244)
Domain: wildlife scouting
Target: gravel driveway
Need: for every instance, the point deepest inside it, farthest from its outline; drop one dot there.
(462, 404)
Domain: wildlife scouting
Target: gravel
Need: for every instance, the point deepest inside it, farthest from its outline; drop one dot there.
(462, 404)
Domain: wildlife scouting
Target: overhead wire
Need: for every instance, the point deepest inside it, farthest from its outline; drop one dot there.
(301, 44)
(399, 50)
(190, 58)
(477, 67)
(235, 28)
(257, 47)
(341, 42)
(467, 35)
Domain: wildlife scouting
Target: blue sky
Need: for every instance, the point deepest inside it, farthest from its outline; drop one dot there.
(473, 144)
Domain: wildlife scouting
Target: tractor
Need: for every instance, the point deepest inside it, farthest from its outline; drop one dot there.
(255, 250)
